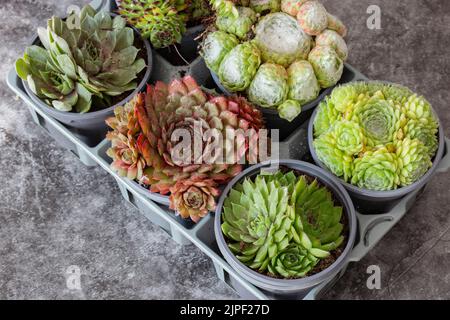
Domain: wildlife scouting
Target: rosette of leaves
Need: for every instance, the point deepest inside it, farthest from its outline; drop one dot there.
(153, 119)
(338, 161)
(414, 160)
(92, 58)
(269, 86)
(282, 33)
(194, 198)
(163, 22)
(281, 224)
(215, 47)
(239, 66)
(399, 134)
(318, 217)
(377, 170)
(349, 137)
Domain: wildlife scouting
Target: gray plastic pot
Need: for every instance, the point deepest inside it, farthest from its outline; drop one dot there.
(380, 202)
(92, 121)
(273, 120)
(300, 287)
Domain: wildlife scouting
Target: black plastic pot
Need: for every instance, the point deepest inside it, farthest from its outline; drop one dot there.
(273, 120)
(298, 288)
(380, 202)
(92, 122)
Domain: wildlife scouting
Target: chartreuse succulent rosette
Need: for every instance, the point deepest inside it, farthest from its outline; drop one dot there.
(376, 136)
(280, 54)
(89, 56)
(143, 146)
(163, 22)
(282, 224)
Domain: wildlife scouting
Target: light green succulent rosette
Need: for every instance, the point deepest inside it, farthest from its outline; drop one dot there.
(289, 110)
(239, 25)
(379, 119)
(414, 160)
(293, 262)
(424, 131)
(390, 132)
(326, 116)
(295, 44)
(327, 65)
(215, 47)
(261, 6)
(377, 170)
(239, 67)
(269, 87)
(349, 137)
(303, 84)
(333, 158)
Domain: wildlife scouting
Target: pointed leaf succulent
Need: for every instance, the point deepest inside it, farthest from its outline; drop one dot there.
(281, 224)
(146, 135)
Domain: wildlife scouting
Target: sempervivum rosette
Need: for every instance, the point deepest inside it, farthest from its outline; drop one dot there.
(275, 42)
(384, 134)
(148, 142)
(281, 224)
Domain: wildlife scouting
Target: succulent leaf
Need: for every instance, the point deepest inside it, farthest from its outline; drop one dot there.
(327, 65)
(303, 84)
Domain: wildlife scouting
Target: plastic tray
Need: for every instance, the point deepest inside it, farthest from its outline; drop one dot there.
(92, 152)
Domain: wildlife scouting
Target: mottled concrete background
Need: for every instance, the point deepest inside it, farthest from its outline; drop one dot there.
(54, 212)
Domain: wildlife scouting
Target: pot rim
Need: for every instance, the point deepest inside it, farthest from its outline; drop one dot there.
(71, 116)
(397, 193)
(289, 285)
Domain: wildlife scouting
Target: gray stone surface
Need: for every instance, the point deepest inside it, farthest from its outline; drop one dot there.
(56, 213)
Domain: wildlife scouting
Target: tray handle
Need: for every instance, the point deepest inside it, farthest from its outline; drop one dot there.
(372, 228)
(444, 165)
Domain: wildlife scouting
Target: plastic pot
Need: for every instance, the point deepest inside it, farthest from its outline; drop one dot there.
(273, 120)
(380, 202)
(299, 287)
(92, 121)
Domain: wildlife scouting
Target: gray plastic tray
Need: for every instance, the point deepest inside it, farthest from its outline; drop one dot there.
(92, 152)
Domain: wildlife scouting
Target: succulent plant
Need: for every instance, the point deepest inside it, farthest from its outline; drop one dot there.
(377, 170)
(215, 47)
(239, 66)
(338, 161)
(194, 198)
(387, 133)
(269, 86)
(153, 119)
(239, 25)
(292, 262)
(318, 217)
(349, 137)
(281, 224)
(292, 7)
(264, 6)
(303, 84)
(269, 30)
(289, 109)
(281, 40)
(414, 160)
(94, 58)
(159, 21)
(327, 65)
(334, 23)
(313, 18)
(326, 117)
(333, 39)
